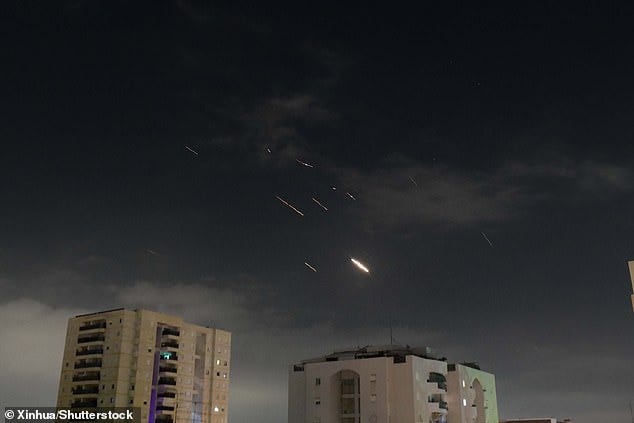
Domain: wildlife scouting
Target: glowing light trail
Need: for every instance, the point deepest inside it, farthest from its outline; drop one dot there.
(322, 206)
(304, 163)
(287, 204)
(359, 265)
(487, 238)
(310, 267)
(351, 196)
(191, 150)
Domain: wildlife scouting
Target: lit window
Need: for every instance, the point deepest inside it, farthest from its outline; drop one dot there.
(216, 409)
(464, 402)
(218, 362)
(463, 384)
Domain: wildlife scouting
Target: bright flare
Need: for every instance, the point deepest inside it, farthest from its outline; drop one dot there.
(359, 265)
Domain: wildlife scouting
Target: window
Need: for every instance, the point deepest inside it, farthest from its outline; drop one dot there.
(463, 384)
(131, 401)
(216, 409)
(149, 350)
(113, 386)
(218, 362)
(372, 377)
(132, 387)
(144, 402)
(111, 400)
(373, 398)
(317, 401)
(464, 402)
(317, 381)
(217, 373)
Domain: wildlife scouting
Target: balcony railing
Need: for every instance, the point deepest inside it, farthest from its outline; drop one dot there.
(89, 351)
(84, 403)
(167, 381)
(168, 369)
(88, 364)
(86, 390)
(166, 395)
(82, 378)
(168, 355)
(95, 325)
(173, 332)
(169, 344)
(92, 338)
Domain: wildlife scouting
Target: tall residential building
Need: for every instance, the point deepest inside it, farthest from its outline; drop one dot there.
(388, 384)
(174, 371)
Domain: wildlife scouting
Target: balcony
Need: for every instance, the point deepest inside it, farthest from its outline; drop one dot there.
(87, 377)
(84, 403)
(168, 355)
(166, 394)
(97, 337)
(443, 405)
(170, 331)
(170, 343)
(163, 407)
(88, 389)
(168, 369)
(89, 351)
(88, 364)
(93, 325)
(438, 379)
(166, 380)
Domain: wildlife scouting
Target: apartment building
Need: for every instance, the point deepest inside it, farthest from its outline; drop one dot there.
(381, 384)
(472, 396)
(175, 372)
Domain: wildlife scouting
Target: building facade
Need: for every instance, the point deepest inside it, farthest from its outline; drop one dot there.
(472, 396)
(174, 371)
(389, 384)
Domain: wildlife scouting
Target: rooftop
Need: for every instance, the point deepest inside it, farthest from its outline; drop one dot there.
(399, 353)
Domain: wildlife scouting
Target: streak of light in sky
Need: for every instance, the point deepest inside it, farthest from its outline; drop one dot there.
(286, 203)
(310, 267)
(191, 150)
(318, 202)
(304, 163)
(487, 238)
(359, 265)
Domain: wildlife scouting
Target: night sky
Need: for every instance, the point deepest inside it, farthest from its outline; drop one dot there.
(448, 124)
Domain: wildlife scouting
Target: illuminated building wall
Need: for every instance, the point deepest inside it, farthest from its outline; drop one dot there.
(174, 371)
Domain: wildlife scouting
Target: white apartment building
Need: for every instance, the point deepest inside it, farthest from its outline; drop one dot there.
(174, 371)
(385, 384)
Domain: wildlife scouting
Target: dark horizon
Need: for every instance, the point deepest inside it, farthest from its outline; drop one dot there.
(481, 155)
